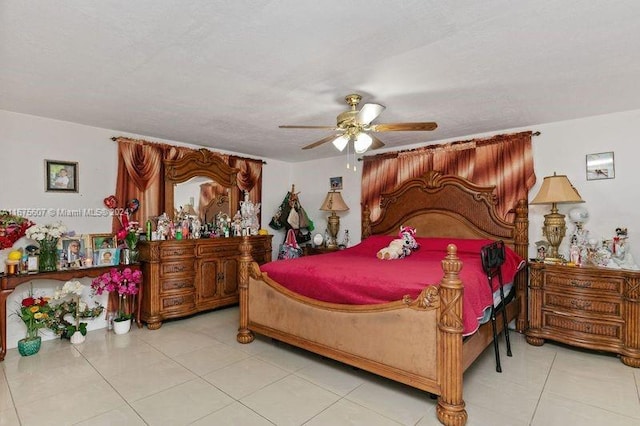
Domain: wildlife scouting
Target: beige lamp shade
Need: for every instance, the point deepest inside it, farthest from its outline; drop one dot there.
(557, 189)
(334, 203)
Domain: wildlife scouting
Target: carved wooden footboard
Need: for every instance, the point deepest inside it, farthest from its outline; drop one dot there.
(416, 342)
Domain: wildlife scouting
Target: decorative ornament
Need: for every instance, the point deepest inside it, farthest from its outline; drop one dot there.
(133, 205)
(111, 202)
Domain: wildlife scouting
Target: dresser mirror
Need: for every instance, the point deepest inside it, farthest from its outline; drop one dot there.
(201, 183)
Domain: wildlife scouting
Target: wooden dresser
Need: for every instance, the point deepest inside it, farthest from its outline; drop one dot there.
(182, 277)
(589, 307)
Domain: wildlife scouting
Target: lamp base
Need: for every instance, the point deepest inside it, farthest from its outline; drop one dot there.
(333, 223)
(554, 230)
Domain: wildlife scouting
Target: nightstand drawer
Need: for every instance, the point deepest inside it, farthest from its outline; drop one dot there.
(573, 324)
(610, 285)
(568, 301)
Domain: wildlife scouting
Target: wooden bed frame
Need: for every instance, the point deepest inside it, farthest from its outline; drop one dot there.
(419, 341)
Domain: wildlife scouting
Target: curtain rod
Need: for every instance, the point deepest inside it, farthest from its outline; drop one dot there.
(448, 144)
(113, 138)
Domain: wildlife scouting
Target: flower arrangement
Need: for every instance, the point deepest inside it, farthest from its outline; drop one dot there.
(125, 283)
(46, 232)
(12, 228)
(131, 234)
(76, 307)
(35, 313)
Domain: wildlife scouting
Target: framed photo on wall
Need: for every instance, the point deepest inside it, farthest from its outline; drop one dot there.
(600, 166)
(335, 183)
(61, 176)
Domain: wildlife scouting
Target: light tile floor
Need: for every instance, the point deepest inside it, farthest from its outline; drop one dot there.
(192, 371)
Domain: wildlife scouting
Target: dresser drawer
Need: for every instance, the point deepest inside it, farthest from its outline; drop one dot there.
(177, 250)
(171, 269)
(572, 324)
(563, 282)
(183, 302)
(204, 250)
(177, 284)
(587, 305)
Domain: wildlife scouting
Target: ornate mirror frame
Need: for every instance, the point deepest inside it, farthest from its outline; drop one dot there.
(199, 163)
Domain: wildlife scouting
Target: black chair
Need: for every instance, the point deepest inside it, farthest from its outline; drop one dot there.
(493, 256)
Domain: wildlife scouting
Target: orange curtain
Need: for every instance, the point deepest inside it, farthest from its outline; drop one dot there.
(505, 161)
(140, 174)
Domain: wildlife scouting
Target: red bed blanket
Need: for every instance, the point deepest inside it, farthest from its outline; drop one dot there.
(355, 276)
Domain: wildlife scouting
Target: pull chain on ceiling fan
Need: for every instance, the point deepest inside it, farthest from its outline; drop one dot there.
(355, 126)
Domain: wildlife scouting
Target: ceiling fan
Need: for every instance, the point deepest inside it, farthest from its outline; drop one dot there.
(355, 125)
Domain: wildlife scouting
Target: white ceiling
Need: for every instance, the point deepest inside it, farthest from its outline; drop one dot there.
(225, 74)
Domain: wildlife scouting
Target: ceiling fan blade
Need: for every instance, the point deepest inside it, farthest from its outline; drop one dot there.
(399, 127)
(308, 127)
(321, 141)
(369, 112)
(377, 143)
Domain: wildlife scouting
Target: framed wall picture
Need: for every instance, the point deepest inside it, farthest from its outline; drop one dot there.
(61, 176)
(335, 183)
(600, 166)
(103, 241)
(107, 257)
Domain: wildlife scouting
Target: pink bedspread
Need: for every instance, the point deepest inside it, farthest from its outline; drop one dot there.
(355, 276)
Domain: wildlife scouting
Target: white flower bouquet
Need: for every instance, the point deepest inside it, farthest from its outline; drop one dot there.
(46, 232)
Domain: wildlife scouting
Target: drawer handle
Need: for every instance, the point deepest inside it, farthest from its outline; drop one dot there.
(581, 284)
(579, 304)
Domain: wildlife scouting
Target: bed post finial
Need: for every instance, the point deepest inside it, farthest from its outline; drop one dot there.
(450, 407)
(244, 334)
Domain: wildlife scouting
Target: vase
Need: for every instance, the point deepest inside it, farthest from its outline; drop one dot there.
(121, 327)
(48, 255)
(128, 256)
(29, 346)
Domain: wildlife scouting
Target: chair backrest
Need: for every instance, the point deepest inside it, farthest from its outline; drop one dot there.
(492, 256)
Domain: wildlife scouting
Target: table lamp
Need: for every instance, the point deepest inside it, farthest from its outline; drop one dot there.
(555, 190)
(333, 203)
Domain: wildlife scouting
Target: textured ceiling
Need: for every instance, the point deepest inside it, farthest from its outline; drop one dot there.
(225, 74)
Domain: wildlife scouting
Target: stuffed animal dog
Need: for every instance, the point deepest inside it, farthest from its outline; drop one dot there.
(400, 247)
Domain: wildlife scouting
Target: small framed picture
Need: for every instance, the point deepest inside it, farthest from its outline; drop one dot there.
(61, 176)
(107, 256)
(335, 183)
(74, 248)
(103, 241)
(600, 166)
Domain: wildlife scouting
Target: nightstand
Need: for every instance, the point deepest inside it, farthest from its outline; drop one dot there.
(309, 250)
(590, 307)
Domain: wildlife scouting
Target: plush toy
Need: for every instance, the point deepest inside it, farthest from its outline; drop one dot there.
(400, 247)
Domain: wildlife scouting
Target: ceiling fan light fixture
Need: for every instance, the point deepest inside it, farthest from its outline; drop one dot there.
(340, 142)
(362, 143)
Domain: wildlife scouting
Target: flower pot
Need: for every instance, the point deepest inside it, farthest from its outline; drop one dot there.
(121, 327)
(48, 259)
(29, 346)
(77, 338)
